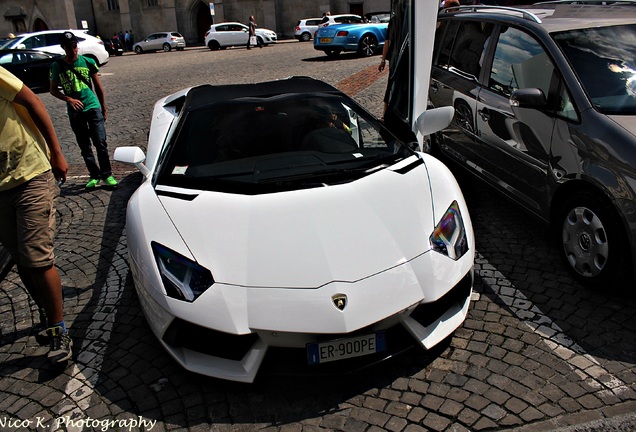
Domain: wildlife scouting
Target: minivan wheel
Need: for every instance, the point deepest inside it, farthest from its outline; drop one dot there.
(593, 243)
(167, 47)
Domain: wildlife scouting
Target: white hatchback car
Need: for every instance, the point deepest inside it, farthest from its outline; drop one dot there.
(49, 40)
(305, 28)
(229, 34)
(341, 19)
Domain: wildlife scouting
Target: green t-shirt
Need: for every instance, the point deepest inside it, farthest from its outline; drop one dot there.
(72, 85)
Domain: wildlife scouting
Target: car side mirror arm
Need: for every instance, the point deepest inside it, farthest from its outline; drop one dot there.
(434, 119)
(131, 155)
(528, 98)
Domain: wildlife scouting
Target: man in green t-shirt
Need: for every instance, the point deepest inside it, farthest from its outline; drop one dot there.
(84, 97)
(30, 163)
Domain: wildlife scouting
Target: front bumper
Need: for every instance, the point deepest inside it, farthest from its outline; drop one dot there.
(269, 39)
(238, 355)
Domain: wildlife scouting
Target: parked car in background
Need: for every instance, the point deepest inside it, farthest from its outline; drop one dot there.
(166, 41)
(49, 41)
(114, 47)
(305, 28)
(545, 101)
(377, 17)
(365, 39)
(228, 34)
(333, 243)
(328, 20)
(31, 66)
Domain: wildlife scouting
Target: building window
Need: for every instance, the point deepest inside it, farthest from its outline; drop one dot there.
(113, 5)
(153, 2)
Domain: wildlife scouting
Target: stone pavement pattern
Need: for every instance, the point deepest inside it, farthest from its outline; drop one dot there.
(537, 352)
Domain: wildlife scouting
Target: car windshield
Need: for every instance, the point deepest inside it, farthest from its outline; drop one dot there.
(261, 145)
(604, 59)
(10, 43)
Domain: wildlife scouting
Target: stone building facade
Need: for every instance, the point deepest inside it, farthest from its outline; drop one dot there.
(189, 17)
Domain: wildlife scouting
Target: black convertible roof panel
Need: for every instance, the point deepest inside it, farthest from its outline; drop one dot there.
(207, 94)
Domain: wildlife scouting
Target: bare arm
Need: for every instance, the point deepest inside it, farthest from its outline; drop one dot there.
(385, 51)
(54, 89)
(99, 91)
(41, 118)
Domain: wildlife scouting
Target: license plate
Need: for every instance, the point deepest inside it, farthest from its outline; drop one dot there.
(325, 40)
(341, 349)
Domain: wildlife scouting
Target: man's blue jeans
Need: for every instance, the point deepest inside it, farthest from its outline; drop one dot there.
(89, 126)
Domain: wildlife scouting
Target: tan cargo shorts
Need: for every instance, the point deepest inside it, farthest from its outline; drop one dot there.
(27, 221)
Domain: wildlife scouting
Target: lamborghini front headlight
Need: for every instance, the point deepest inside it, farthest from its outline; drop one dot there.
(449, 236)
(183, 279)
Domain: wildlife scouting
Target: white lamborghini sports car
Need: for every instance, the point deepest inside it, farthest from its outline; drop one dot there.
(283, 217)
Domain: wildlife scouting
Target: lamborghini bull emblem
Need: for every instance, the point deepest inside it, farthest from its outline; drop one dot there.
(339, 301)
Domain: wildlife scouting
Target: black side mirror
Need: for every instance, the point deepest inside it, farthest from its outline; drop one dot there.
(528, 98)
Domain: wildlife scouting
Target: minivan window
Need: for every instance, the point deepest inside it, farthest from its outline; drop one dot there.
(460, 45)
(519, 62)
(603, 58)
(444, 38)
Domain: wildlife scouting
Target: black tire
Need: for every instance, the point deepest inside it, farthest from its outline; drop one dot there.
(368, 45)
(259, 42)
(213, 45)
(305, 37)
(167, 47)
(138, 49)
(593, 243)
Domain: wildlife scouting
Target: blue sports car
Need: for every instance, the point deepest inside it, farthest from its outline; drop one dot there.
(366, 39)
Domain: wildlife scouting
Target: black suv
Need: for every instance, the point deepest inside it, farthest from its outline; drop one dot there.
(545, 105)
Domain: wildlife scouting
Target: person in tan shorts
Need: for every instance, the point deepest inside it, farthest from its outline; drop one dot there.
(31, 162)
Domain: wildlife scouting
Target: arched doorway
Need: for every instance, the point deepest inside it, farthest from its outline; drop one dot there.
(39, 25)
(203, 20)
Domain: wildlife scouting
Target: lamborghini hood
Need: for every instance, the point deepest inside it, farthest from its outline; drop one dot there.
(308, 238)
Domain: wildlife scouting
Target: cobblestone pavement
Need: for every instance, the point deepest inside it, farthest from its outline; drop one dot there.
(537, 351)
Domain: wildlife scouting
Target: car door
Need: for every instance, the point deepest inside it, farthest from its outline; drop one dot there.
(38, 70)
(152, 42)
(312, 26)
(160, 40)
(14, 61)
(238, 34)
(223, 35)
(455, 81)
(34, 42)
(513, 152)
(52, 41)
